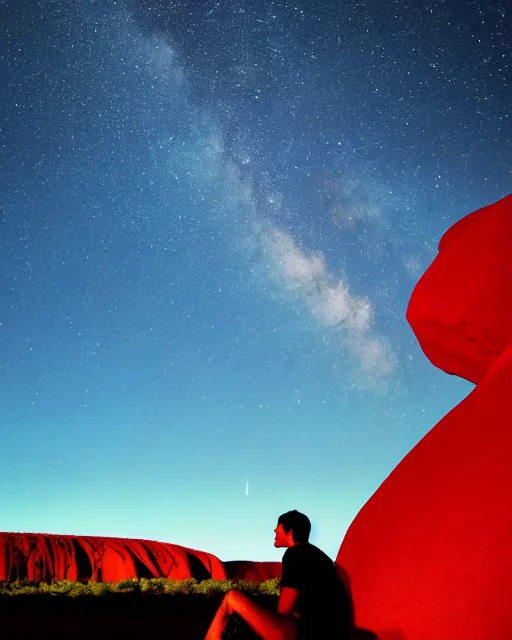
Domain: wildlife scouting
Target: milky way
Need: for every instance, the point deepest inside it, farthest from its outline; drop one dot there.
(212, 217)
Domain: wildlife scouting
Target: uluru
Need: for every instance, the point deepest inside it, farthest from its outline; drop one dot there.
(50, 557)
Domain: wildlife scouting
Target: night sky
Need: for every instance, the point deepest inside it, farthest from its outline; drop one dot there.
(212, 216)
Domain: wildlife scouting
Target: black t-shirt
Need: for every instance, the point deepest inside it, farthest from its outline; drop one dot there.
(323, 604)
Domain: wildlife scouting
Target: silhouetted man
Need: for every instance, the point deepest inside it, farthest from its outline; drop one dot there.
(313, 605)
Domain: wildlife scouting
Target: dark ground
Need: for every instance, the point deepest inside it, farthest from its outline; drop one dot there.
(124, 616)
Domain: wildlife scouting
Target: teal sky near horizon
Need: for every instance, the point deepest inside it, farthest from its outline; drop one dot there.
(212, 216)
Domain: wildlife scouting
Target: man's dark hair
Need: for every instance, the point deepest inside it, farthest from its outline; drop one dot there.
(298, 523)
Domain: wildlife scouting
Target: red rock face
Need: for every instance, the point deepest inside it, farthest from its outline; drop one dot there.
(429, 556)
(257, 571)
(47, 557)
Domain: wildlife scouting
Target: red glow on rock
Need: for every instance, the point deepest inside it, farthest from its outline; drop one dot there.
(248, 570)
(47, 557)
(429, 556)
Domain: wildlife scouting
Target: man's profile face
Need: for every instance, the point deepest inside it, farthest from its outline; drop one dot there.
(282, 538)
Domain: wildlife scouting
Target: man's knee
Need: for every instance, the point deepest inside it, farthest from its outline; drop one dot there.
(234, 597)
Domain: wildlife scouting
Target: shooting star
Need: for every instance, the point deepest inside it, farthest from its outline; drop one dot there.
(247, 487)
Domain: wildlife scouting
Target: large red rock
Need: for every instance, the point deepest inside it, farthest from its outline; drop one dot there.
(47, 557)
(248, 570)
(429, 556)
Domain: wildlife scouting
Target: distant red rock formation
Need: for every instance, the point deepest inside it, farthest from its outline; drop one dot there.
(47, 557)
(429, 556)
(248, 570)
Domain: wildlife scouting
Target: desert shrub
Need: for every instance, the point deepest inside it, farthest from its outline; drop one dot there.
(153, 585)
(249, 586)
(214, 587)
(58, 588)
(99, 588)
(126, 586)
(22, 589)
(77, 589)
(173, 587)
(63, 588)
(270, 587)
(22, 586)
(166, 586)
(186, 586)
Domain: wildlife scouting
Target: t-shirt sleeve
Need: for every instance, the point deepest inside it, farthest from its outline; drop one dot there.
(290, 574)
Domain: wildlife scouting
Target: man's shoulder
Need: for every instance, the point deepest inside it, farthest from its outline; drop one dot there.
(304, 550)
(294, 554)
(313, 559)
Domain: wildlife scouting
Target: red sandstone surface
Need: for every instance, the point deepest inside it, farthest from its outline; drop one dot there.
(248, 570)
(47, 557)
(429, 556)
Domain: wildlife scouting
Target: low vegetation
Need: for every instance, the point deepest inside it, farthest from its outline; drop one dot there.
(152, 586)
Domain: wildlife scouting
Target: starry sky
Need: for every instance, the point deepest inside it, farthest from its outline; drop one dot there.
(212, 216)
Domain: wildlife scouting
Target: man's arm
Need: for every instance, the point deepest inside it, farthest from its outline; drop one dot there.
(287, 601)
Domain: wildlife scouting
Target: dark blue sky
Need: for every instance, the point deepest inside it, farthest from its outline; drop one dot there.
(212, 216)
